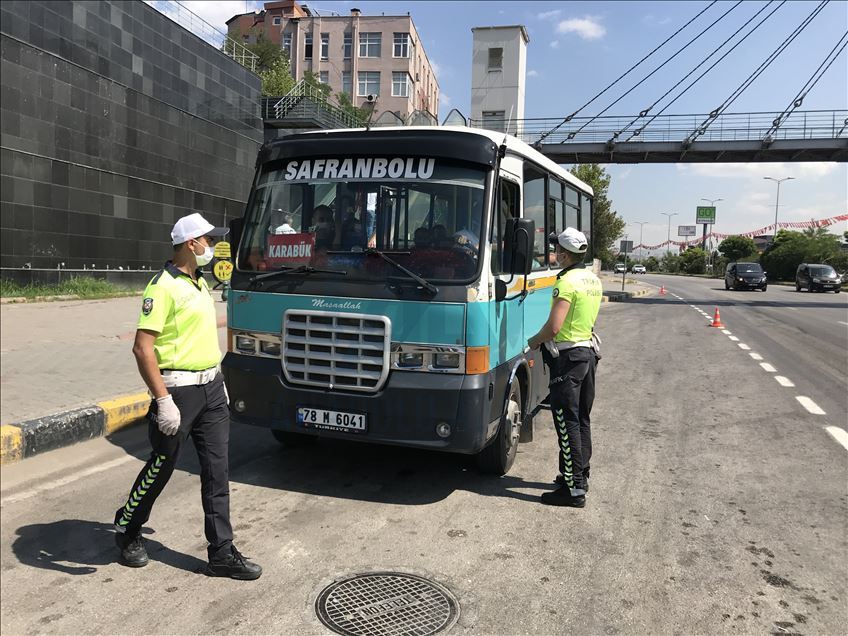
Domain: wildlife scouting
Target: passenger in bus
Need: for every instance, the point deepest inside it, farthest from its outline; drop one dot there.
(323, 227)
(466, 242)
(358, 227)
(281, 223)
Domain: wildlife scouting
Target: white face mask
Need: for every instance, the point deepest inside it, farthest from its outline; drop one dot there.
(206, 257)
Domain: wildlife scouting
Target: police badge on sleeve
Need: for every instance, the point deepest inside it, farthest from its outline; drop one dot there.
(147, 306)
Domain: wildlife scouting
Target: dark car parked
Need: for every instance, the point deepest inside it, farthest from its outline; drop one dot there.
(817, 277)
(744, 276)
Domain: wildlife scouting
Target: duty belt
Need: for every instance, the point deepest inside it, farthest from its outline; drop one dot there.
(567, 344)
(173, 378)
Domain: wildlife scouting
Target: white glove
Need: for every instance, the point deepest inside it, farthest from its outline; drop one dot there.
(167, 415)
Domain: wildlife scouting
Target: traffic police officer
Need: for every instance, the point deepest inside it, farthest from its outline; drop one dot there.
(176, 349)
(572, 359)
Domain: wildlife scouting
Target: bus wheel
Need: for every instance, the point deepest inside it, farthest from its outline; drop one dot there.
(497, 458)
(292, 440)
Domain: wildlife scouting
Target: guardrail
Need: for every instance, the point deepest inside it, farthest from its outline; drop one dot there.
(817, 124)
(305, 100)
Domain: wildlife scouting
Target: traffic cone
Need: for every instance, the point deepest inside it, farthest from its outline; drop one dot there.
(662, 290)
(717, 320)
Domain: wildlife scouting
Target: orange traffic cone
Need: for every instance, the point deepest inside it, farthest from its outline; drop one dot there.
(717, 320)
(662, 290)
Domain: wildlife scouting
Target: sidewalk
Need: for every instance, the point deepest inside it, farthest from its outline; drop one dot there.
(66, 355)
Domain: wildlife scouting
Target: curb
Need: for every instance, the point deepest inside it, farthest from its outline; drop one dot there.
(619, 296)
(14, 300)
(43, 434)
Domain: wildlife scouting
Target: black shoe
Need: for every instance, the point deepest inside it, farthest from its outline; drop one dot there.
(563, 497)
(234, 565)
(560, 481)
(133, 552)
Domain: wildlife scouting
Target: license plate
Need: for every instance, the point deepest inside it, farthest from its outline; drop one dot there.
(331, 420)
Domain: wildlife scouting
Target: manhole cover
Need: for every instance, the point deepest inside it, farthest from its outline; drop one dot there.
(387, 603)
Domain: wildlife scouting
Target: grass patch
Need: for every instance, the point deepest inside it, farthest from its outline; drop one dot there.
(82, 286)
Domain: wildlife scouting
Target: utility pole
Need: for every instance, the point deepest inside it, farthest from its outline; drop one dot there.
(668, 235)
(777, 202)
(641, 227)
(712, 203)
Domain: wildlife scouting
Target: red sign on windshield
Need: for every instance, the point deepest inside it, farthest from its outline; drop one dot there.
(289, 249)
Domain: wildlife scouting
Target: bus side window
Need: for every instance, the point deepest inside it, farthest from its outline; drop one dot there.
(506, 208)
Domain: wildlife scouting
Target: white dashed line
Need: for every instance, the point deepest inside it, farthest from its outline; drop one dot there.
(733, 338)
(744, 347)
(767, 367)
(838, 434)
(726, 332)
(808, 404)
(756, 356)
(784, 381)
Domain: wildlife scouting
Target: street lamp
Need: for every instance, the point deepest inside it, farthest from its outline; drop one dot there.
(640, 224)
(668, 235)
(776, 202)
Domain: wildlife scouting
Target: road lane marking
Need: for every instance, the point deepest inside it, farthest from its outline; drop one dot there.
(58, 483)
(767, 367)
(838, 434)
(733, 338)
(808, 404)
(744, 347)
(756, 356)
(726, 332)
(784, 381)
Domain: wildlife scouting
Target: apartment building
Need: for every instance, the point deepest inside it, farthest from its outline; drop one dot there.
(377, 60)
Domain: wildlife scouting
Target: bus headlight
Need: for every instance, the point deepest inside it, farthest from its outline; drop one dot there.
(446, 361)
(411, 360)
(245, 344)
(269, 348)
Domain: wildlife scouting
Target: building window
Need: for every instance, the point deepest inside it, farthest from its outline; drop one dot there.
(400, 84)
(307, 46)
(347, 85)
(494, 120)
(401, 48)
(277, 20)
(348, 46)
(369, 83)
(287, 42)
(325, 46)
(369, 44)
(324, 77)
(495, 59)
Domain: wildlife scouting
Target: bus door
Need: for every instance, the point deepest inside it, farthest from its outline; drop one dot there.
(507, 316)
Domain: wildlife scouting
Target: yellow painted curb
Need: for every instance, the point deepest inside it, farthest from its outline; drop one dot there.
(11, 444)
(123, 411)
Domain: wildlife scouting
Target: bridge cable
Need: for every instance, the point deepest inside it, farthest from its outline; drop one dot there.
(623, 75)
(574, 133)
(799, 98)
(702, 128)
(641, 129)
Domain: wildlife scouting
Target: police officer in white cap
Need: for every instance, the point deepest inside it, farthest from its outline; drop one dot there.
(572, 357)
(176, 349)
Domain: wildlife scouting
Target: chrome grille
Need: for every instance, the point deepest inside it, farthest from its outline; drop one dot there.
(336, 350)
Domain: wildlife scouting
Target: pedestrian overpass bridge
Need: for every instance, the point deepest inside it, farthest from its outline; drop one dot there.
(732, 137)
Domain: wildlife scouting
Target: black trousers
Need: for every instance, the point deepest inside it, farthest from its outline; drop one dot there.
(206, 419)
(572, 395)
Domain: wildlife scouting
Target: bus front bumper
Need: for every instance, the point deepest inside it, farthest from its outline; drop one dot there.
(405, 412)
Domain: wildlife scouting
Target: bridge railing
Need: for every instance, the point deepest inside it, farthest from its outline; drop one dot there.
(817, 124)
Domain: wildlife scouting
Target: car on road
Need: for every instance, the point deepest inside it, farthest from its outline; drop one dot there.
(639, 269)
(744, 276)
(817, 277)
(619, 268)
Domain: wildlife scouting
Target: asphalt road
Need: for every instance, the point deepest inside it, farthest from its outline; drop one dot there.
(718, 505)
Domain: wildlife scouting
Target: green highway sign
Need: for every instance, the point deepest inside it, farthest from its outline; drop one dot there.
(705, 214)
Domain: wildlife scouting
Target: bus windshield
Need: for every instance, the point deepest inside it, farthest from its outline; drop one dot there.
(426, 214)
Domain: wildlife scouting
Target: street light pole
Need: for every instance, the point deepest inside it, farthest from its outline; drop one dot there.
(640, 224)
(668, 234)
(712, 203)
(777, 202)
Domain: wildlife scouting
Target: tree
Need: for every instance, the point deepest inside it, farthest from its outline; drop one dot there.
(652, 264)
(735, 247)
(693, 261)
(277, 81)
(782, 257)
(347, 105)
(670, 263)
(324, 91)
(268, 53)
(607, 225)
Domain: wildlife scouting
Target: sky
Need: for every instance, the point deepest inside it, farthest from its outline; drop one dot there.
(577, 48)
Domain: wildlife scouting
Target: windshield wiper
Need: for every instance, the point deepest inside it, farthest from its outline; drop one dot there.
(430, 287)
(301, 269)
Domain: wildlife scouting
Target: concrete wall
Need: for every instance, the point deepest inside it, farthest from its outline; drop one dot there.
(115, 122)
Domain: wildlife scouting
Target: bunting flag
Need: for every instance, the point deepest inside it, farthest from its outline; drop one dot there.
(796, 225)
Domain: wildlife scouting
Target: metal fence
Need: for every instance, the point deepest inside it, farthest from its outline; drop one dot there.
(305, 101)
(817, 124)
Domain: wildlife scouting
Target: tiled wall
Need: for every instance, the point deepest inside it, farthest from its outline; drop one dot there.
(114, 122)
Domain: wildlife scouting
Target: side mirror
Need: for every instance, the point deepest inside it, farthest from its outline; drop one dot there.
(234, 236)
(518, 246)
(500, 290)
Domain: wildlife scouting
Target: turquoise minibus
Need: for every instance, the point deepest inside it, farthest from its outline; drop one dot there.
(386, 282)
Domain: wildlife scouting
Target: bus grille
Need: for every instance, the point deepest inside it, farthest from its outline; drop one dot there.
(336, 350)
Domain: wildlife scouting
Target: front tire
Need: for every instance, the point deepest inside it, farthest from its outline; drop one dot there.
(497, 458)
(726, 286)
(797, 287)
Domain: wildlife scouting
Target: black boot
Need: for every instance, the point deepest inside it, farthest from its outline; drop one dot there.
(560, 481)
(562, 497)
(234, 565)
(133, 552)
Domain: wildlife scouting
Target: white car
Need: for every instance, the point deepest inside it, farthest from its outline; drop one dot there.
(619, 268)
(639, 269)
